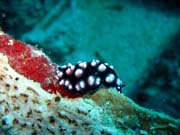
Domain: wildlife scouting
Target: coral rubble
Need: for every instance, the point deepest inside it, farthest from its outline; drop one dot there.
(26, 108)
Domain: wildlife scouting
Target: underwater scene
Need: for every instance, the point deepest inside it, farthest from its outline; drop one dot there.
(90, 67)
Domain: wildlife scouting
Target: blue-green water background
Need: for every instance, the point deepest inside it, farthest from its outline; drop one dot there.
(139, 38)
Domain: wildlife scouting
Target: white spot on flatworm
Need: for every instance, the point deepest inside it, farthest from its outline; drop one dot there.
(69, 64)
(91, 80)
(118, 82)
(77, 87)
(93, 63)
(61, 82)
(60, 74)
(69, 71)
(78, 72)
(67, 82)
(97, 61)
(83, 64)
(82, 84)
(98, 81)
(64, 66)
(110, 78)
(101, 68)
(70, 87)
(72, 67)
(79, 62)
(111, 67)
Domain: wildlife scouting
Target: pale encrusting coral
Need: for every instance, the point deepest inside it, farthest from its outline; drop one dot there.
(25, 108)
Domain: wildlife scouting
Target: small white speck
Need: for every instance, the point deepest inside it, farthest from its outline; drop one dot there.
(67, 82)
(78, 72)
(77, 87)
(110, 78)
(83, 64)
(69, 71)
(64, 66)
(118, 82)
(10, 42)
(72, 67)
(70, 87)
(98, 81)
(111, 67)
(79, 62)
(93, 63)
(101, 68)
(97, 61)
(61, 82)
(82, 84)
(60, 74)
(91, 80)
(37, 53)
(69, 64)
(49, 90)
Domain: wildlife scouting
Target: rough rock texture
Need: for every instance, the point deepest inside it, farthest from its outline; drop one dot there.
(25, 108)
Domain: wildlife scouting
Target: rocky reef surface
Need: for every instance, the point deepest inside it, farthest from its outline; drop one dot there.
(26, 108)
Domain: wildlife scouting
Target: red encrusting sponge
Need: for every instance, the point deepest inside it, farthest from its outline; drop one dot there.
(32, 64)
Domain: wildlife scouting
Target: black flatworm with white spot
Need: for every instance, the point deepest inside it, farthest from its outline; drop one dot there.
(86, 77)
